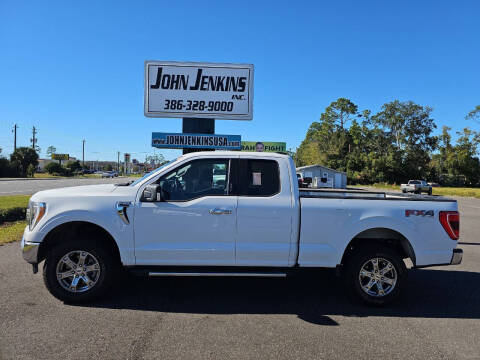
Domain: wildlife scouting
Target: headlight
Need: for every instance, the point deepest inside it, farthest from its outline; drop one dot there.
(35, 212)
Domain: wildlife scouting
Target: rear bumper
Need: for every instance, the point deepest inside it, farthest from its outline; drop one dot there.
(456, 259)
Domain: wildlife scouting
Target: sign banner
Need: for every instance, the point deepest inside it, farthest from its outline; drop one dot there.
(60, 157)
(198, 90)
(196, 141)
(265, 146)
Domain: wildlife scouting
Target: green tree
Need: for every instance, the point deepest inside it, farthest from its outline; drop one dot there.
(74, 166)
(327, 141)
(54, 168)
(410, 128)
(474, 114)
(31, 170)
(22, 157)
(340, 112)
(51, 150)
(155, 160)
(466, 149)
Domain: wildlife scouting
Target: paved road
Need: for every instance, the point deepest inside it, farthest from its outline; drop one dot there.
(301, 318)
(28, 187)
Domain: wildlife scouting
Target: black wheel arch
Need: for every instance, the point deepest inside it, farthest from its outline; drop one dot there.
(380, 237)
(73, 229)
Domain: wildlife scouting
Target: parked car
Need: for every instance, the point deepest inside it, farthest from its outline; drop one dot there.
(417, 187)
(300, 180)
(109, 174)
(254, 221)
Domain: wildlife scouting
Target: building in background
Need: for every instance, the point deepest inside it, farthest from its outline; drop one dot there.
(319, 176)
(44, 162)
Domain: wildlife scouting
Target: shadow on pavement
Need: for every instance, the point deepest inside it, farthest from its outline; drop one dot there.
(429, 294)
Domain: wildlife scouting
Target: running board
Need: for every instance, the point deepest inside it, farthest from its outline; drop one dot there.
(206, 273)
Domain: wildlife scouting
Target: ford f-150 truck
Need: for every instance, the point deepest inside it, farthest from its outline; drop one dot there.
(234, 214)
(417, 187)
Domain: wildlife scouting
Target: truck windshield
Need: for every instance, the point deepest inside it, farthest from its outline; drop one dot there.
(151, 173)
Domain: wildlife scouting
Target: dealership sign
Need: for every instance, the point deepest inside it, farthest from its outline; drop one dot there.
(60, 157)
(196, 141)
(265, 146)
(198, 90)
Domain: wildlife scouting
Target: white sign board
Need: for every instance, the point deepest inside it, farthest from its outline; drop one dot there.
(198, 90)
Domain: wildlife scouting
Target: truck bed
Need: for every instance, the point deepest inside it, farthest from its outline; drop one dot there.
(368, 195)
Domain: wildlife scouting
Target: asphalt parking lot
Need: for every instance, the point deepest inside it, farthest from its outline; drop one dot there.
(31, 186)
(233, 318)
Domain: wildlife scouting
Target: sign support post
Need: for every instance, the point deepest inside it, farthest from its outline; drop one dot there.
(197, 126)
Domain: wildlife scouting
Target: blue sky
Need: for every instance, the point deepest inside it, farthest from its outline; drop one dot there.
(75, 69)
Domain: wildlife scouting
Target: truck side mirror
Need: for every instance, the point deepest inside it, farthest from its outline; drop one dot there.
(152, 193)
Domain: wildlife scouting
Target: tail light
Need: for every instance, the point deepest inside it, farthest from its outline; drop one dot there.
(450, 221)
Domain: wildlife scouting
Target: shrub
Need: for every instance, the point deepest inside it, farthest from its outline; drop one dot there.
(7, 168)
(12, 214)
(54, 168)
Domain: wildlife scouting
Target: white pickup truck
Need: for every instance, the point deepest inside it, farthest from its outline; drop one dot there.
(234, 214)
(417, 187)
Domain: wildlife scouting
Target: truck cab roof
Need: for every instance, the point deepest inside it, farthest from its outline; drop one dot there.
(246, 154)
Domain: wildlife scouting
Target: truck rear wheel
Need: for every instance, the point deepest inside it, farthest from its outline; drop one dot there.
(78, 271)
(375, 275)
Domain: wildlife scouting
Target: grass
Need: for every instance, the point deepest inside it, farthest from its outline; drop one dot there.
(465, 192)
(46, 176)
(446, 191)
(10, 232)
(14, 201)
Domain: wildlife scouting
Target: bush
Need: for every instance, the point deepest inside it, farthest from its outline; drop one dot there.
(74, 166)
(31, 170)
(12, 214)
(8, 169)
(54, 168)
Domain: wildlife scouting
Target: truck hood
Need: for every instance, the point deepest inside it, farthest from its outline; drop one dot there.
(76, 191)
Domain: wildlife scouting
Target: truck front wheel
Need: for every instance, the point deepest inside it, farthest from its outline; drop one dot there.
(375, 275)
(78, 271)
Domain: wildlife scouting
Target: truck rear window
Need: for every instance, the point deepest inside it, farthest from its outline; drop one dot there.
(258, 178)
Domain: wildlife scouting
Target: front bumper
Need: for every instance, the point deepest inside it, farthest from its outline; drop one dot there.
(30, 251)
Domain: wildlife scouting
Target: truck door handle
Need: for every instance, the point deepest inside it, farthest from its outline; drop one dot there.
(220, 211)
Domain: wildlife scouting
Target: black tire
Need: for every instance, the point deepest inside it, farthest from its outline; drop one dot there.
(352, 278)
(404, 191)
(106, 265)
(430, 191)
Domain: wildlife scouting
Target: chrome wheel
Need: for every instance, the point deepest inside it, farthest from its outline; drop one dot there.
(377, 277)
(78, 271)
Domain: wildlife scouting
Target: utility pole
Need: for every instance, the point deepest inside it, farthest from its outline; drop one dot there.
(15, 127)
(118, 162)
(34, 140)
(83, 153)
